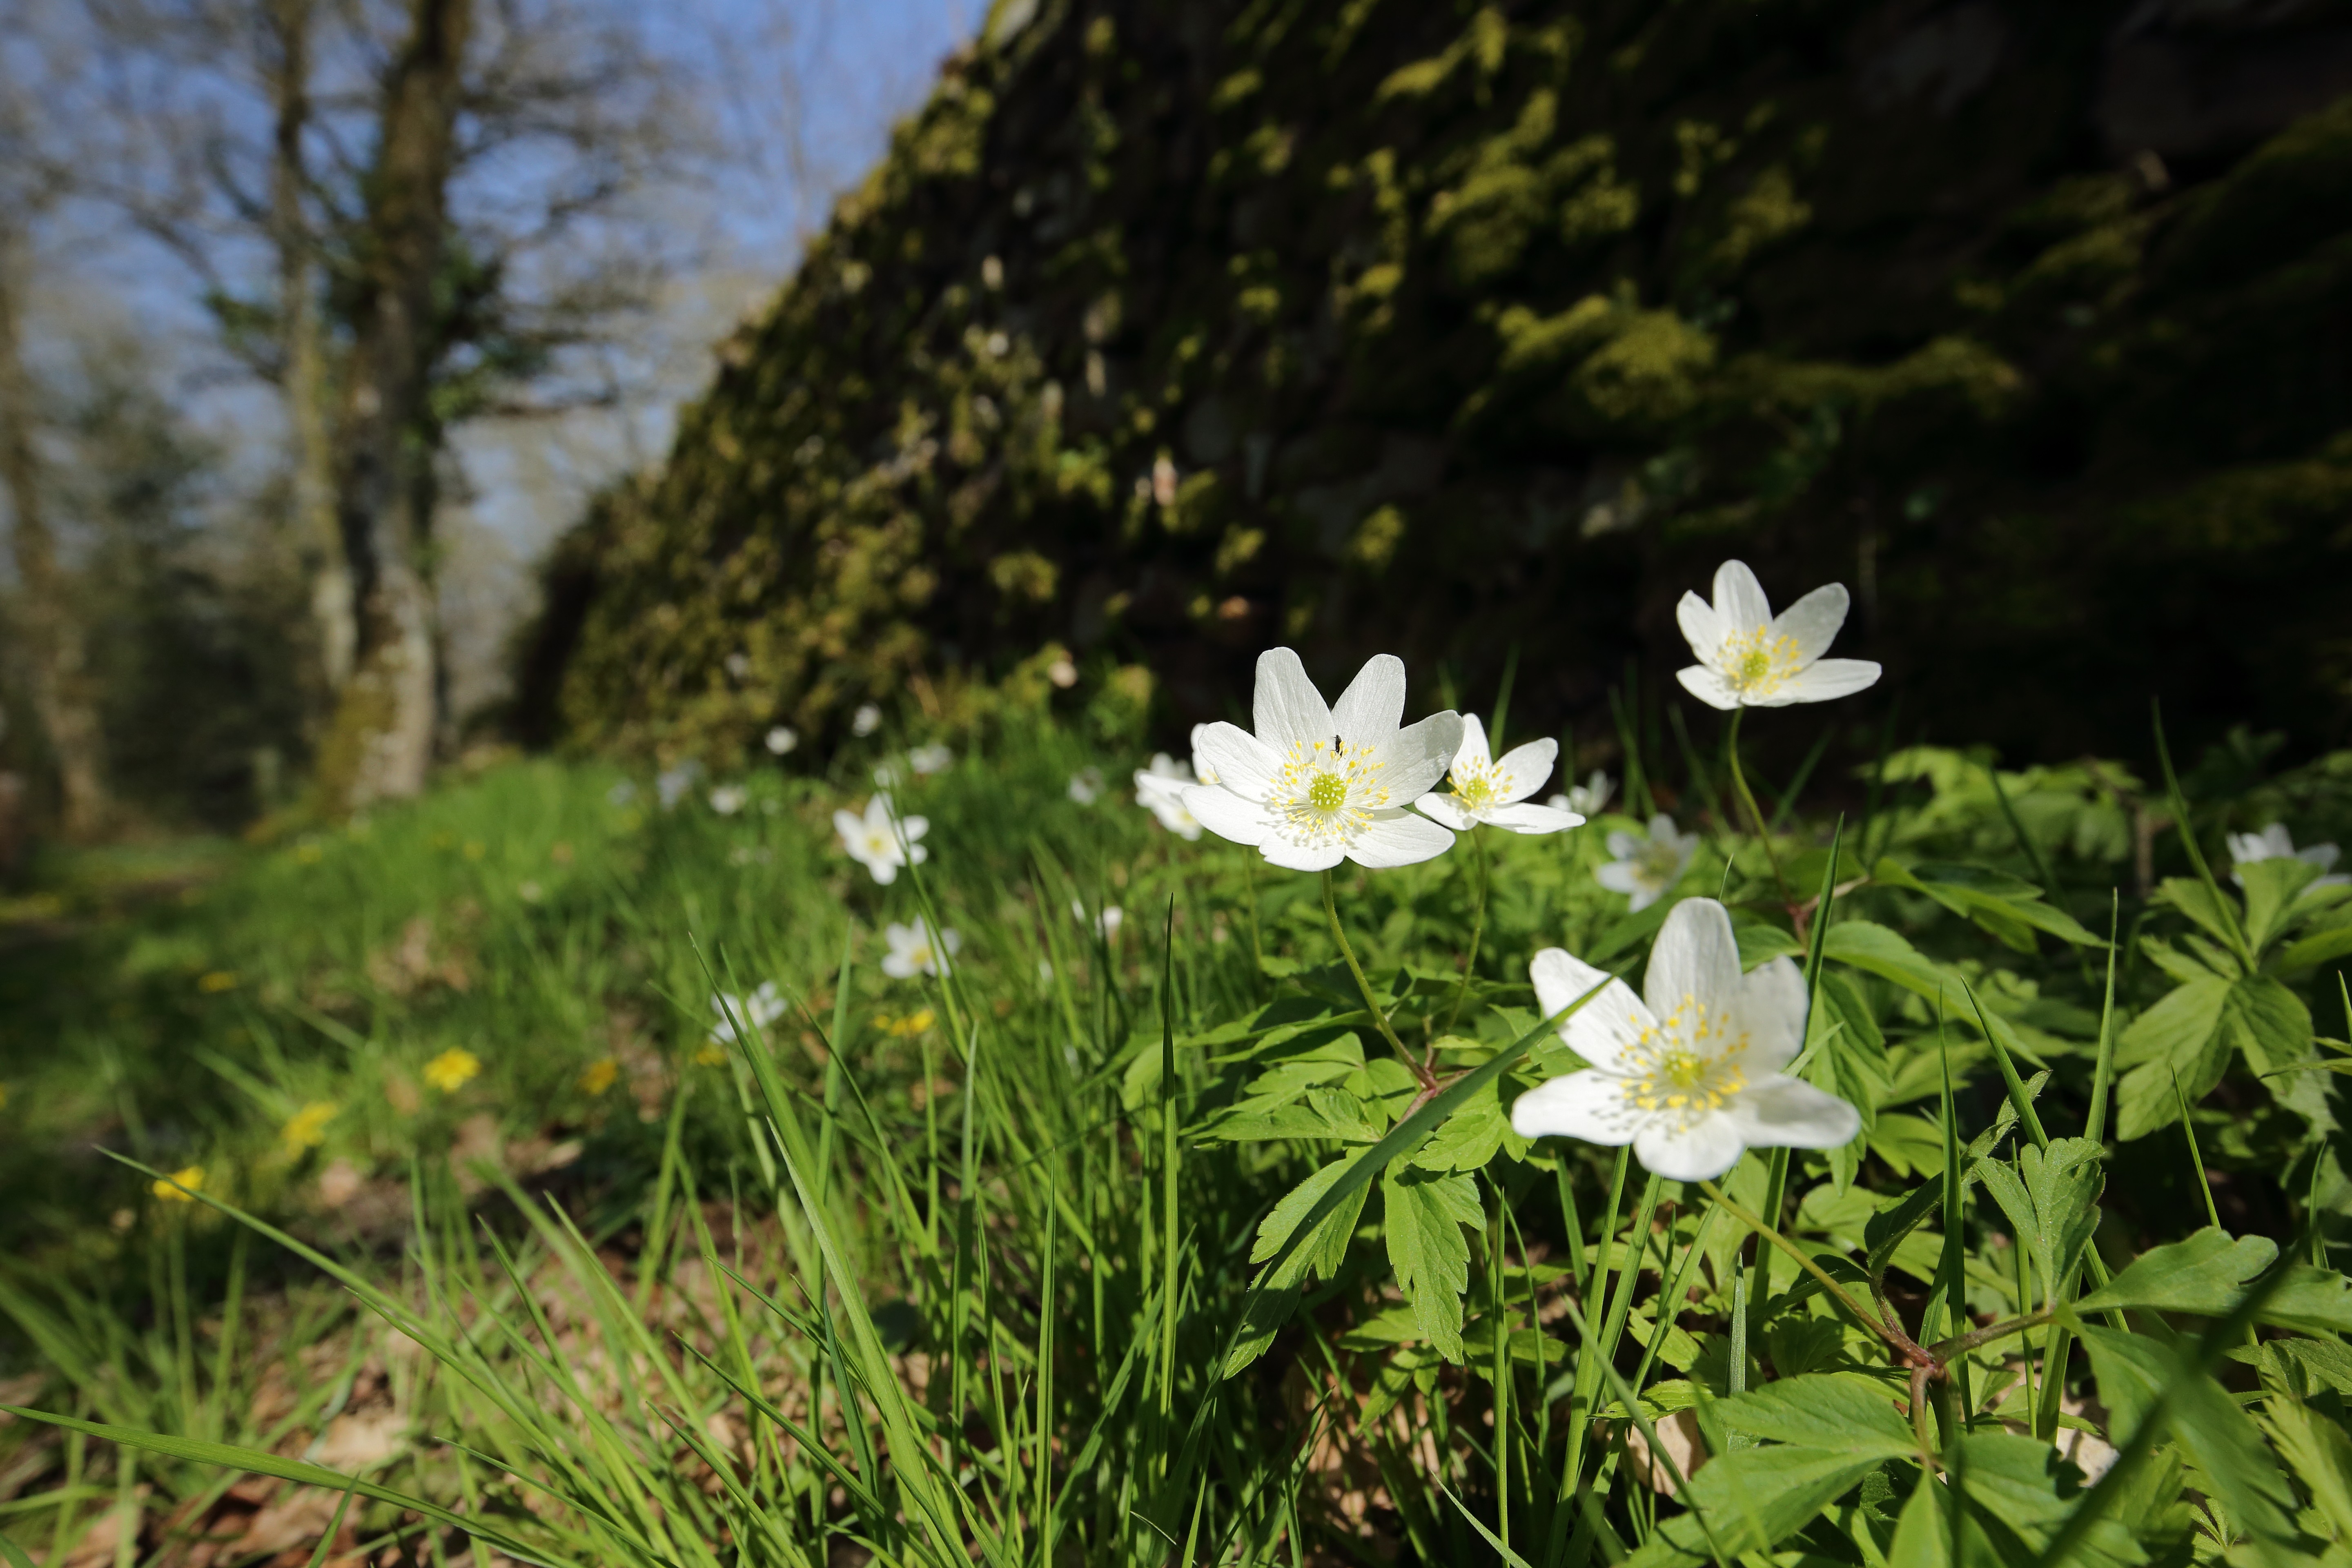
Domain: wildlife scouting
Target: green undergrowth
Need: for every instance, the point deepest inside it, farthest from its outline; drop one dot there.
(418, 1161)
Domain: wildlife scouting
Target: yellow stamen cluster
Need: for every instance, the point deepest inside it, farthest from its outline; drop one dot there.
(1757, 663)
(1327, 792)
(1477, 784)
(1688, 1064)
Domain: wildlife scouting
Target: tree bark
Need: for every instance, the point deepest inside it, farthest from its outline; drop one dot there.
(61, 688)
(333, 611)
(381, 741)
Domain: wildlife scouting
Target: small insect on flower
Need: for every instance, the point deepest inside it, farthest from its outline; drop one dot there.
(453, 1069)
(1647, 864)
(1749, 657)
(307, 1127)
(1492, 792)
(1689, 1072)
(879, 841)
(912, 950)
(192, 1179)
(599, 1076)
(2274, 844)
(1320, 783)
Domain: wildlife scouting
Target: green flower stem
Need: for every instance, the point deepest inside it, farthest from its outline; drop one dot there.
(1428, 1081)
(1755, 813)
(1478, 930)
(1901, 1342)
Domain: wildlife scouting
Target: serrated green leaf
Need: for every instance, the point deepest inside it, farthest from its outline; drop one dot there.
(1324, 1249)
(2204, 1274)
(1823, 1410)
(2054, 1204)
(2220, 1438)
(2320, 1454)
(1426, 1211)
(2178, 1039)
(2274, 1026)
(2272, 888)
(2333, 941)
(2202, 904)
(1472, 1135)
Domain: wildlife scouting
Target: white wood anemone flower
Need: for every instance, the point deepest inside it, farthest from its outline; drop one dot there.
(1494, 792)
(913, 952)
(1749, 657)
(2273, 843)
(880, 842)
(1646, 866)
(1689, 1072)
(1160, 789)
(1317, 784)
(1586, 798)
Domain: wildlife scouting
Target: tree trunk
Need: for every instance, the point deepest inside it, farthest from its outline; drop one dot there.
(333, 612)
(62, 698)
(381, 741)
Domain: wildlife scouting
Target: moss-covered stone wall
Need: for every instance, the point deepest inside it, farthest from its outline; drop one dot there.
(1171, 329)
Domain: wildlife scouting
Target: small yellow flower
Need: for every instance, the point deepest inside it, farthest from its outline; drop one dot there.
(710, 1057)
(600, 1076)
(219, 980)
(192, 1179)
(453, 1069)
(307, 1127)
(917, 1023)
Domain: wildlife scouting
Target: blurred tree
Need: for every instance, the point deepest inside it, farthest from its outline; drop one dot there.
(402, 215)
(55, 652)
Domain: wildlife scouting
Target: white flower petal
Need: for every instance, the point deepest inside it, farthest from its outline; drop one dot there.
(1398, 838)
(1447, 809)
(1204, 775)
(1790, 1112)
(1619, 876)
(1472, 749)
(1740, 602)
(1830, 678)
(1293, 856)
(1234, 759)
(884, 871)
(1227, 815)
(1587, 1105)
(2320, 855)
(1525, 819)
(1702, 628)
(1642, 897)
(1812, 622)
(1772, 1011)
(849, 824)
(1697, 1153)
(1623, 846)
(1708, 686)
(1369, 711)
(913, 827)
(1419, 755)
(1603, 1029)
(1524, 769)
(1286, 710)
(1695, 959)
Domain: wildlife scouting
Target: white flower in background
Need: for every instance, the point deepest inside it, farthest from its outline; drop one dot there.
(758, 1010)
(672, 783)
(1086, 785)
(1104, 925)
(1317, 784)
(891, 775)
(1647, 864)
(912, 950)
(1492, 792)
(1159, 788)
(878, 843)
(620, 793)
(929, 760)
(1689, 1072)
(782, 739)
(729, 799)
(2273, 844)
(865, 721)
(1586, 798)
(1749, 657)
